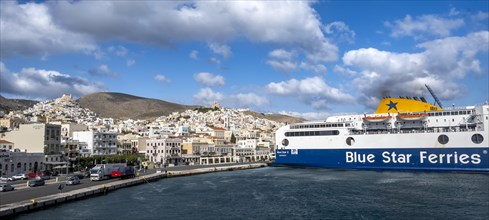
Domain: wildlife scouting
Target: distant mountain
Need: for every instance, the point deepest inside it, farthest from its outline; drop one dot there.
(124, 106)
(7, 105)
(276, 117)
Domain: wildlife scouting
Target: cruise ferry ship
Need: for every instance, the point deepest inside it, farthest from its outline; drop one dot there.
(404, 133)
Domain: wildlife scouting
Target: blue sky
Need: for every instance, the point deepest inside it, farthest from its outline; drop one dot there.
(303, 58)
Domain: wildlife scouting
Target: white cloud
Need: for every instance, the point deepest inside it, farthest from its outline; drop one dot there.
(162, 78)
(66, 26)
(323, 52)
(344, 71)
(340, 31)
(32, 83)
(130, 62)
(250, 99)
(194, 55)
(208, 96)
(3, 68)
(208, 79)
(453, 12)
(119, 51)
(425, 24)
(481, 16)
(442, 63)
(282, 65)
(29, 29)
(281, 54)
(312, 91)
(214, 60)
(102, 70)
(221, 49)
(282, 60)
(292, 23)
(316, 68)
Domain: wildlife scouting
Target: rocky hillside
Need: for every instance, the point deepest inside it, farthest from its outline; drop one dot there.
(7, 105)
(124, 106)
(276, 117)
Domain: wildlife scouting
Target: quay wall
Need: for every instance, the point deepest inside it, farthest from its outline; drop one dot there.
(59, 198)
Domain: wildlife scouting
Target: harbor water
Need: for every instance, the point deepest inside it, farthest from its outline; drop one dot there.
(289, 193)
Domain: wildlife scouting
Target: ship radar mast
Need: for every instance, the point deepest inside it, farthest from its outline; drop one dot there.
(434, 96)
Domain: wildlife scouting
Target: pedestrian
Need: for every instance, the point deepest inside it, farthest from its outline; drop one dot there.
(60, 187)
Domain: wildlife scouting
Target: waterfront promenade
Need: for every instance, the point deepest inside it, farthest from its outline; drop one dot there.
(31, 198)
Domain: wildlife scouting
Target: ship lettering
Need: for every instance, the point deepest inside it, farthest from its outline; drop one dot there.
(354, 157)
(396, 158)
(449, 158)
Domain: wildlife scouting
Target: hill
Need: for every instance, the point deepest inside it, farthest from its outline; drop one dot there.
(124, 106)
(276, 117)
(7, 105)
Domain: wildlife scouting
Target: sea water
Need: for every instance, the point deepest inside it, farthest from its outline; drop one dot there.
(290, 193)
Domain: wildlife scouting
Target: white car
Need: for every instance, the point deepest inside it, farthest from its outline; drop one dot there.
(74, 180)
(19, 177)
(5, 179)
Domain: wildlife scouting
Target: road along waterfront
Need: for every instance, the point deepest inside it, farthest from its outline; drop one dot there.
(54, 198)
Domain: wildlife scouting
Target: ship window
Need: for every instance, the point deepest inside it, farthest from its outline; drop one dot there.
(350, 141)
(311, 133)
(443, 139)
(285, 142)
(477, 138)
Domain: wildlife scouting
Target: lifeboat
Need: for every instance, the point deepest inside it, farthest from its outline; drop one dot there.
(412, 117)
(380, 118)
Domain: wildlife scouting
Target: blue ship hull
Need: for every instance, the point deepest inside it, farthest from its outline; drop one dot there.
(428, 159)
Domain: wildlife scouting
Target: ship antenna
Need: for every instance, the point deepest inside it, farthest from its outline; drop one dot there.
(434, 96)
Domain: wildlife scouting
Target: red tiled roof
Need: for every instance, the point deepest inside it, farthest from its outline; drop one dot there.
(5, 142)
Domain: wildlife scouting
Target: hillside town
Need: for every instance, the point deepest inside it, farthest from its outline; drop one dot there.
(55, 134)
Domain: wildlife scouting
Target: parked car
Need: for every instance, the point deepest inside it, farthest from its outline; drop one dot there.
(36, 182)
(20, 176)
(74, 180)
(6, 187)
(4, 178)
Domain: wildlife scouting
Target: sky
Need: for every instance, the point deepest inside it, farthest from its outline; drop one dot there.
(307, 59)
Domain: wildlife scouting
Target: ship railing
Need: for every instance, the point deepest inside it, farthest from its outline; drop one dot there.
(411, 131)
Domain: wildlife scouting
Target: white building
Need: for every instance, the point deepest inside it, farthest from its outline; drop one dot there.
(249, 143)
(14, 161)
(98, 143)
(160, 151)
(182, 131)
